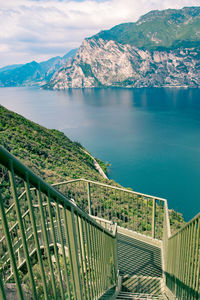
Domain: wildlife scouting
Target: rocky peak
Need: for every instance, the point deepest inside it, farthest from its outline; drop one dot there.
(161, 49)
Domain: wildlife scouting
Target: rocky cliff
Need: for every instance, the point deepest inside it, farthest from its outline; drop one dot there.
(108, 63)
(161, 49)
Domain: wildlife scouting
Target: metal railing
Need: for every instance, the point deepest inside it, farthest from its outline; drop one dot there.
(43, 222)
(48, 244)
(135, 211)
(182, 260)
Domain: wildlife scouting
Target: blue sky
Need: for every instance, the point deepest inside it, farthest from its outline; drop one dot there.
(40, 29)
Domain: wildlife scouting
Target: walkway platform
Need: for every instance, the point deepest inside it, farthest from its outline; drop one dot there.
(140, 266)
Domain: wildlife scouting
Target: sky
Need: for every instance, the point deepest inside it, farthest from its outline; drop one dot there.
(40, 29)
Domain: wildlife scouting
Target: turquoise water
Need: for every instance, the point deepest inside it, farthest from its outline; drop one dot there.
(151, 137)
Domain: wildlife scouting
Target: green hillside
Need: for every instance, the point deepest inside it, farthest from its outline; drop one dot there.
(169, 28)
(49, 153)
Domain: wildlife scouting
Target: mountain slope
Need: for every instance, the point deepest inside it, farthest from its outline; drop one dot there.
(49, 153)
(161, 49)
(32, 73)
(169, 29)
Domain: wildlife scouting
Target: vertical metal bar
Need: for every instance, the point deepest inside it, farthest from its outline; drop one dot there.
(193, 254)
(86, 263)
(89, 258)
(55, 245)
(97, 261)
(102, 202)
(181, 255)
(89, 198)
(30, 206)
(100, 260)
(197, 260)
(147, 213)
(45, 235)
(81, 255)
(2, 292)
(137, 218)
(107, 204)
(21, 228)
(158, 219)
(188, 254)
(92, 239)
(106, 259)
(115, 209)
(104, 263)
(153, 217)
(74, 252)
(63, 248)
(10, 250)
(69, 249)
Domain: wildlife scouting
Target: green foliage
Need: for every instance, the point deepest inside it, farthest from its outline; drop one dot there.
(103, 165)
(159, 29)
(49, 153)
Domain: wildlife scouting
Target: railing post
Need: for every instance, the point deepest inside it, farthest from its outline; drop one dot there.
(11, 254)
(153, 218)
(74, 252)
(89, 198)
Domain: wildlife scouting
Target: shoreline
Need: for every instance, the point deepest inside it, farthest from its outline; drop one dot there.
(97, 166)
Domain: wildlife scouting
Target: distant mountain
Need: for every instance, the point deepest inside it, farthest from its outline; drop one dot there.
(161, 49)
(10, 67)
(33, 72)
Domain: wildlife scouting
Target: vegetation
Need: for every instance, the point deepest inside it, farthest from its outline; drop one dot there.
(167, 29)
(49, 153)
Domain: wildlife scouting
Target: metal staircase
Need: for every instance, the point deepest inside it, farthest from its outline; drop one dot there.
(87, 240)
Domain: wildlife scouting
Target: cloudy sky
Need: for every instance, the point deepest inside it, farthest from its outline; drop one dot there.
(40, 29)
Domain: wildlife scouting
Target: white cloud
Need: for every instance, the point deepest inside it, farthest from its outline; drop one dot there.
(41, 29)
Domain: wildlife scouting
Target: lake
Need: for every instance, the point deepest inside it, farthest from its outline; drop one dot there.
(151, 137)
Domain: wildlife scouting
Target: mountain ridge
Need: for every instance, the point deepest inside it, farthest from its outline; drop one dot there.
(33, 72)
(158, 29)
(161, 49)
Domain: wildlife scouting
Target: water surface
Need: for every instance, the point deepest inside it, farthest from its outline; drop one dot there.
(151, 137)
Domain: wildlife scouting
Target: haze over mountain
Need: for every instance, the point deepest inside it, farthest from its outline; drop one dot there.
(161, 49)
(32, 73)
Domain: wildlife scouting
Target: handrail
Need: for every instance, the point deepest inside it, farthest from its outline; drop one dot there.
(136, 211)
(155, 222)
(151, 225)
(185, 226)
(23, 171)
(182, 261)
(111, 187)
(81, 273)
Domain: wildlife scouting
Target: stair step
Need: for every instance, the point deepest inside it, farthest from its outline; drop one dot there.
(137, 296)
(142, 285)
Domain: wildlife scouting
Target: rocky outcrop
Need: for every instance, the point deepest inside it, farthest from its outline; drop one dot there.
(108, 63)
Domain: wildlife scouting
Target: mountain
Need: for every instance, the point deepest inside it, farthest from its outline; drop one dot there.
(161, 49)
(33, 72)
(10, 67)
